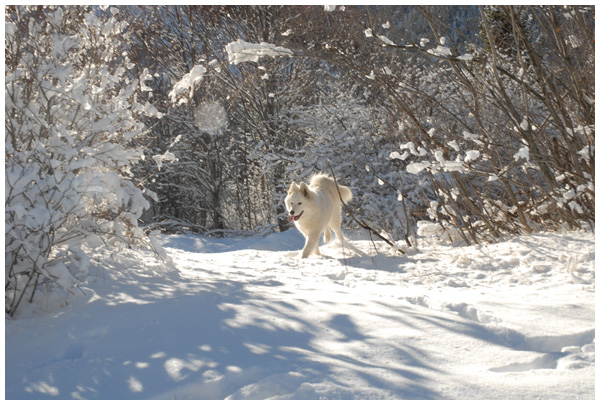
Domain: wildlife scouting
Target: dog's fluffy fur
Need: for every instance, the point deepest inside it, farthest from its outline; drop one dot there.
(316, 208)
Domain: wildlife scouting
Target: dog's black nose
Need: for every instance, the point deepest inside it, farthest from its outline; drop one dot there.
(291, 212)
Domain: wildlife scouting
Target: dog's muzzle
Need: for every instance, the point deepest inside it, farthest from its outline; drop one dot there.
(295, 217)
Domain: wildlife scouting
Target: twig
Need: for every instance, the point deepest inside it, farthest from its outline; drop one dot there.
(362, 223)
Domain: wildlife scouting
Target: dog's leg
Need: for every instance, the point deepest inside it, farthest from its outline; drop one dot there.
(311, 246)
(327, 237)
(336, 225)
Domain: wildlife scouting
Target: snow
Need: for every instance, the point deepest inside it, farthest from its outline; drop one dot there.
(415, 168)
(523, 153)
(469, 136)
(386, 40)
(441, 50)
(585, 153)
(472, 155)
(244, 318)
(395, 155)
(187, 82)
(524, 124)
(242, 51)
(165, 157)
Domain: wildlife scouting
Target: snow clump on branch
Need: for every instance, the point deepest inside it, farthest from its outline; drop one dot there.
(242, 51)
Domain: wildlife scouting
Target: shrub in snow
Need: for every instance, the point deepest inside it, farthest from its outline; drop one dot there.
(501, 157)
(71, 113)
(501, 138)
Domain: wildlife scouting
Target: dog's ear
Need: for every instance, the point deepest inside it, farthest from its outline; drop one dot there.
(293, 187)
(304, 189)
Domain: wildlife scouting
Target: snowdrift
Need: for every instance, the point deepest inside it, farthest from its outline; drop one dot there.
(244, 318)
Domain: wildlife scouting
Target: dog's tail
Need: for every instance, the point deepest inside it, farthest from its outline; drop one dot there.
(346, 194)
(322, 180)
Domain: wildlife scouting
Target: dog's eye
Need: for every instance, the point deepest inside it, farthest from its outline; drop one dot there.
(299, 203)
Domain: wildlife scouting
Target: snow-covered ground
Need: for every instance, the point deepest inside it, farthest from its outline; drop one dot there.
(244, 318)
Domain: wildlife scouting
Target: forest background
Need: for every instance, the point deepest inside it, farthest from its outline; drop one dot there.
(466, 122)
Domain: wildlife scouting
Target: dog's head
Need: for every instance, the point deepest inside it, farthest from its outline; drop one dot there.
(297, 200)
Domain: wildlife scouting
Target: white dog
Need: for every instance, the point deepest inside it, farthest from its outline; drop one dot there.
(316, 208)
